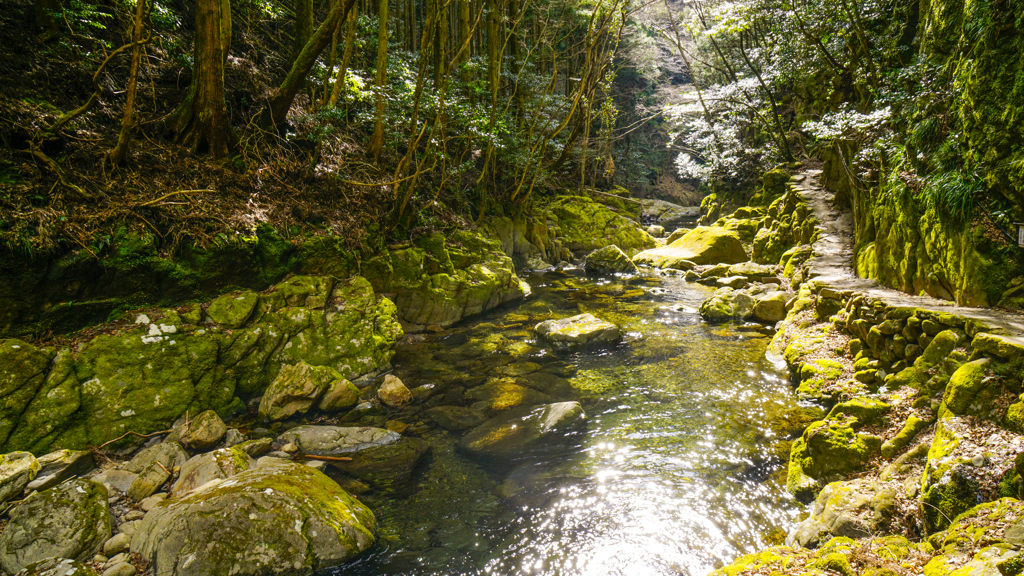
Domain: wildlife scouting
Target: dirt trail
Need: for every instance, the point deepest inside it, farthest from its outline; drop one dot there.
(833, 256)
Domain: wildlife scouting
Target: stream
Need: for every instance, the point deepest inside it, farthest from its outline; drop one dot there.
(682, 467)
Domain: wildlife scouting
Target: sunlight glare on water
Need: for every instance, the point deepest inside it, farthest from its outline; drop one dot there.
(681, 468)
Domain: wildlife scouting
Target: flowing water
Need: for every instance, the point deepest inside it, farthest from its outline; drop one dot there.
(681, 468)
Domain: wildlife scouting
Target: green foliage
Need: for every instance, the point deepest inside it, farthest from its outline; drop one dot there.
(952, 195)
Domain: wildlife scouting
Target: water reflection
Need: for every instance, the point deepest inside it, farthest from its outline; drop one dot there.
(681, 470)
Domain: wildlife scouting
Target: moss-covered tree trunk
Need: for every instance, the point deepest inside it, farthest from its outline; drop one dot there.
(201, 121)
(303, 27)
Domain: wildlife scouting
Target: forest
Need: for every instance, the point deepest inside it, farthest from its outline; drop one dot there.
(559, 287)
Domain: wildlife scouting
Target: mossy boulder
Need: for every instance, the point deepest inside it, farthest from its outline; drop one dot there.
(279, 519)
(233, 310)
(962, 393)
(204, 468)
(702, 245)
(525, 431)
(145, 375)
(586, 225)
(17, 469)
(828, 449)
(296, 389)
(857, 508)
(816, 378)
(439, 280)
(726, 304)
(69, 521)
(578, 331)
(202, 431)
(667, 214)
(609, 260)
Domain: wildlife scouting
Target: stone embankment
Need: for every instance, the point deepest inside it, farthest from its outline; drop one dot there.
(917, 467)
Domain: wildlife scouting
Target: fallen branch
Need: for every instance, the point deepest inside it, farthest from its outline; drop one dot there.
(132, 433)
(327, 458)
(168, 195)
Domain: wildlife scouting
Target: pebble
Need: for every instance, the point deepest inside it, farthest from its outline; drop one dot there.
(120, 569)
(148, 504)
(978, 461)
(317, 465)
(119, 543)
(99, 558)
(280, 454)
(290, 448)
(134, 515)
(114, 499)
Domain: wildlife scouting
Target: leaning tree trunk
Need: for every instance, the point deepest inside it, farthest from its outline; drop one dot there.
(121, 149)
(303, 26)
(201, 121)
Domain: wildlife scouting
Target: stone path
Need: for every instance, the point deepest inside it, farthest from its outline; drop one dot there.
(833, 256)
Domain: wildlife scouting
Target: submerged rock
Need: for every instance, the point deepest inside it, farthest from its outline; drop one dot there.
(380, 457)
(609, 260)
(454, 418)
(69, 521)
(523, 431)
(578, 331)
(279, 519)
(393, 392)
(502, 394)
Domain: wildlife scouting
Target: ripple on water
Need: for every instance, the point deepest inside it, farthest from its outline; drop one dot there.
(681, 469)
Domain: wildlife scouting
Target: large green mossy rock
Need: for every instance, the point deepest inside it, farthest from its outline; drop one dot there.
(17, 469)
(145, 375)
(827, 450)
(609, 260)
(280, 519)
(440, 280)
(702, 245)
(726, 304)
(297, 389)
(69, 521)
(856, 509)
(586, 225)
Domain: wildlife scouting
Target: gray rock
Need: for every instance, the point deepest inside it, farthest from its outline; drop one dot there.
(522, 431)
(656, 230)
(204, 468)
(233, 438)
(117, 544)
(202, 432)
(676, 235)
(120, 569)
(58, 466)
(170, 454)
(128, 527)
(57, 567)
(148, 482)
(381, 457)
(17, 469)
(342, 394)
(115, 479)
(256, 447)
(148, 504)
(69, 521)
(578, 331)
(454, 418)
(282, 519)
(609, 260)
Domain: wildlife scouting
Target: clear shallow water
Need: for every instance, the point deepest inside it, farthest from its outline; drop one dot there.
(681, 469)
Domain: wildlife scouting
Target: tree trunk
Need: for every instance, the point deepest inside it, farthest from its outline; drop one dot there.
(440, 42)
(277, 110)
(121, 149)
(464, 34)
(303, 27)
(376, 145)
(346, 58)
(201, 121)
